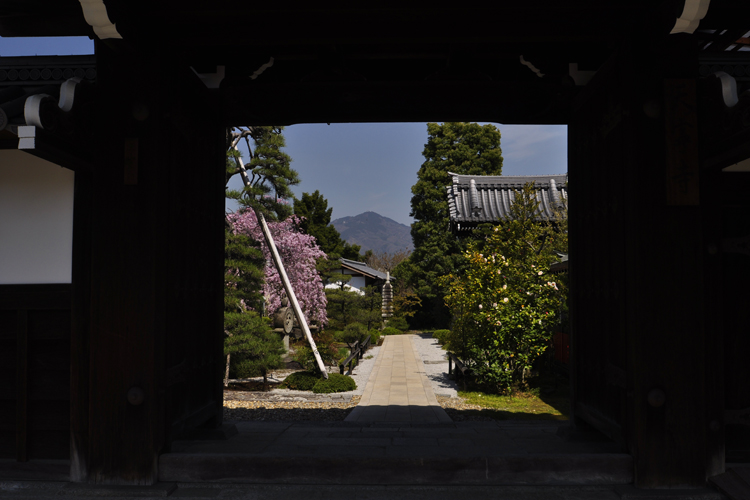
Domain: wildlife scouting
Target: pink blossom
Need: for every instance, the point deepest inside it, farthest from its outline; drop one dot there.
(299, 252)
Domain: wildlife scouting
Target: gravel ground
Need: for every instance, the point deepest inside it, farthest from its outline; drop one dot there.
(286, 405)
(435, 365)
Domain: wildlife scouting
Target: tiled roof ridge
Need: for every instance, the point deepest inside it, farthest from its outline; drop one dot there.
(474, 199)
(363, 267)
(453, 174)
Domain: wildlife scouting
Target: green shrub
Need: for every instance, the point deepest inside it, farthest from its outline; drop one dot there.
(335, 383)
(441, 336)
(389, 330)
(301, 381)
(353, 332)
(399, 322)
(374, 336)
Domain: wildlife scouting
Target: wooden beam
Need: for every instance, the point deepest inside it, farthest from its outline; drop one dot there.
(22, 386)
(329, 102)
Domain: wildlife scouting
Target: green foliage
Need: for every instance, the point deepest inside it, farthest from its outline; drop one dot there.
(374, 336)
(250, 342)
(389, 330)
(441, 336)
(313, 208)
(352, 333)
(505, 302)
(335, 383)
(268, 171)
(251, 347)
(326, 345)
(301, 381)
(346, 307)
(398, 322)
(462, 148)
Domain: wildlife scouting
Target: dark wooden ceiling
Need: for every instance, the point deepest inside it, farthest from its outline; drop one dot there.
(397, 56)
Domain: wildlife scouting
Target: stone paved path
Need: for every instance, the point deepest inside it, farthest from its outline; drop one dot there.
(398, 390)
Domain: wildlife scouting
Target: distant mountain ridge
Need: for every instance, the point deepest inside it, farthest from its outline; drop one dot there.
(374, 232)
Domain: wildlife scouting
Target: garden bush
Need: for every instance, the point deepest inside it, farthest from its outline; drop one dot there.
(506, 302)
(301, 381)
(335, 383)
(398, 322)
(441, 336)
(353, 332)
(389, 330)
(374, 336)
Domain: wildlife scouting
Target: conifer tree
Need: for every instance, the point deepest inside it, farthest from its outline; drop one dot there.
(461, 148)
(316, 221)
(251, 346)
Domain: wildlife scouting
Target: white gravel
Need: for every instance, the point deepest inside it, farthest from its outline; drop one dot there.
(435, 364)
(361, 372)
(433, 357)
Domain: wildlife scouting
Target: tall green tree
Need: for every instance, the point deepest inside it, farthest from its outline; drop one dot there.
(462, 148)
(317, 222)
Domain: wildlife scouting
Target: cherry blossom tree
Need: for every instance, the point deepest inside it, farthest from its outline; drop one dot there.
(299, 252)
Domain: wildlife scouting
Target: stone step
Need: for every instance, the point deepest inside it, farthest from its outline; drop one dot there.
(54, 490)
(397, 469)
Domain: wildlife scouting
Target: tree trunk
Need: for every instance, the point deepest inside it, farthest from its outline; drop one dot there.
(226, 372)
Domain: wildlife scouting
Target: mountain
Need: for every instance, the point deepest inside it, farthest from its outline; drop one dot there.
(374, 232)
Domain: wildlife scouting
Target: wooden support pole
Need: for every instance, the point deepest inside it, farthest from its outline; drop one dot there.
(282, 272)
(290, 291)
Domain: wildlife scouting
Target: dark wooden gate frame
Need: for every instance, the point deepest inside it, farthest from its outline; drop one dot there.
(647, 350)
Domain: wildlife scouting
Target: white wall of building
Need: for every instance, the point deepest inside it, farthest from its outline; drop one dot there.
(357, 282)
(36, 220)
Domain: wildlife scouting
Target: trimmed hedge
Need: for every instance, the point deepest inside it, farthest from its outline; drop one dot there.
(335, 383)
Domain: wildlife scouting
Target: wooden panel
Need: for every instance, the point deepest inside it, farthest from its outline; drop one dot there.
(156, 271)
(7, 324)
(50, 324)
(598, 268)
(639, 292)
(44, 296)
(35, 369)
(21, 386)
(7, 429)
(49, 444)
(736, 272)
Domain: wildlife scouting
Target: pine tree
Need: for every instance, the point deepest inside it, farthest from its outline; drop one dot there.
(251, 346)
(316, 221)
(250, 343)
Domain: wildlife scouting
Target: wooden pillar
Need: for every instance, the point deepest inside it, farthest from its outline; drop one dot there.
(146, 153)
(649, 379)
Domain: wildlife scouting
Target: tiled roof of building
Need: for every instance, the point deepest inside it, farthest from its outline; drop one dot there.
(476, 199)
(363, 268)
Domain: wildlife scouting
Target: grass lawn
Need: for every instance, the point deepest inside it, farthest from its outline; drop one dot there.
(521, 406)
(545, 400)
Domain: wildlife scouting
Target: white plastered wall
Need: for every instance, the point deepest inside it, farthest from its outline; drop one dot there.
(36, 220)
(357, 282)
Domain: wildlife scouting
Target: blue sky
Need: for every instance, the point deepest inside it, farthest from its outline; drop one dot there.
(362, 167)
